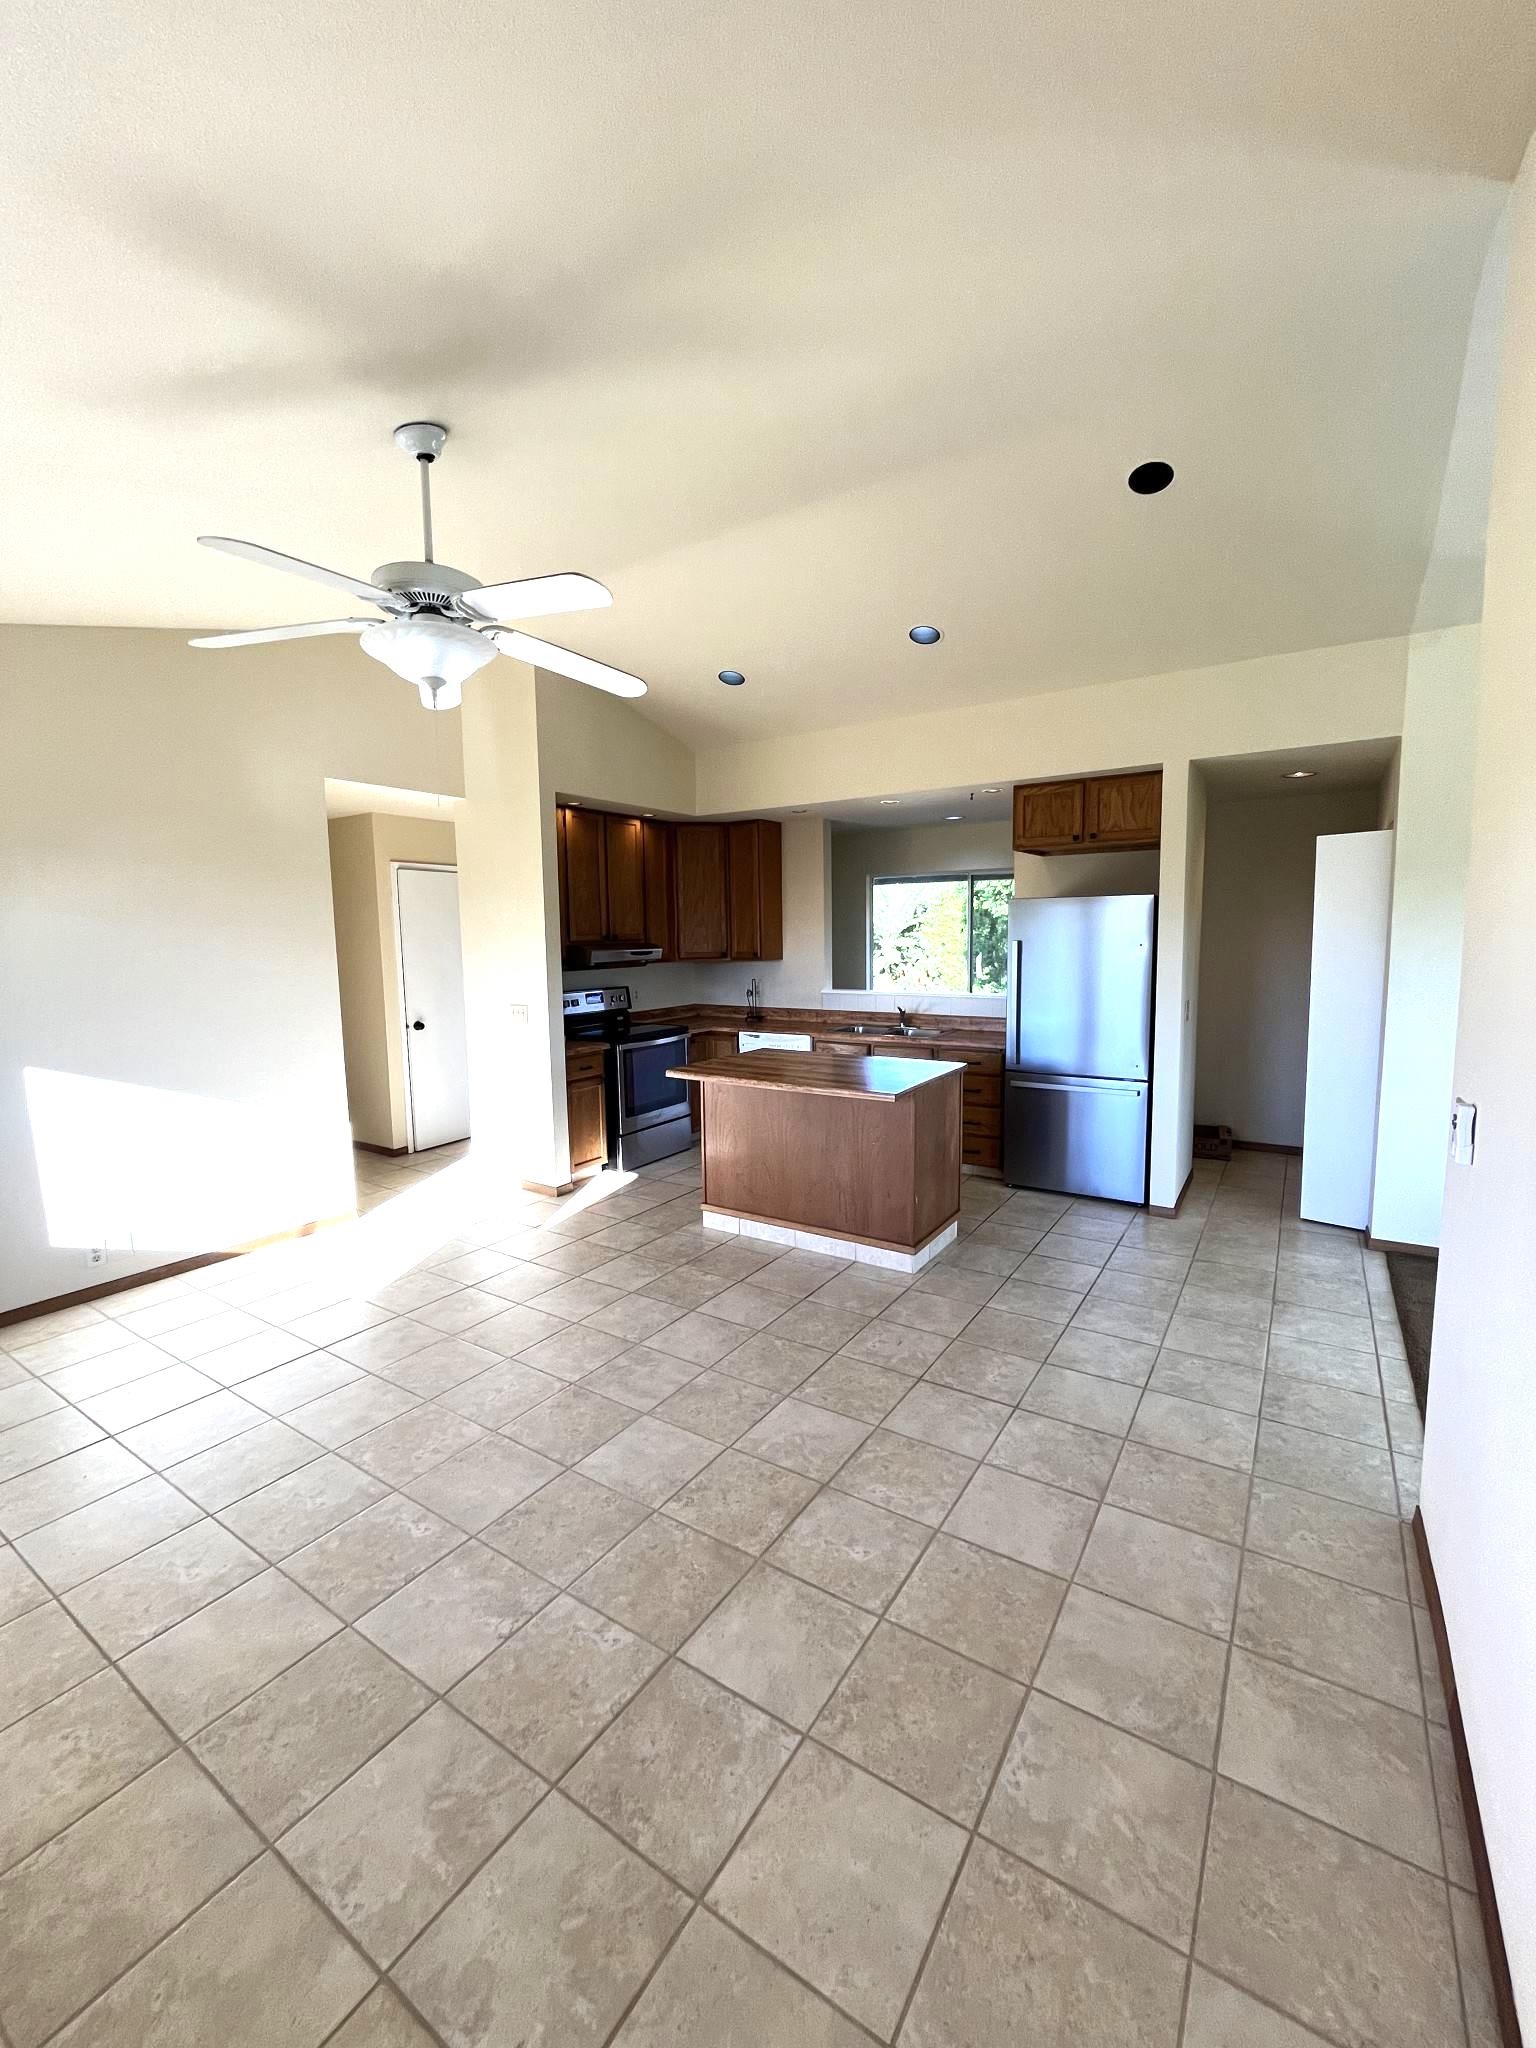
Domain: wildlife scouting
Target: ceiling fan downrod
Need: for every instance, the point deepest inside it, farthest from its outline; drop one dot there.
(424, 439)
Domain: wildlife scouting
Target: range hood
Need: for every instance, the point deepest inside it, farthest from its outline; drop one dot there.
(611, 956)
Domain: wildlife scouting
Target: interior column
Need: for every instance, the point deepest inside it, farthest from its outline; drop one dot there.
(509, 912)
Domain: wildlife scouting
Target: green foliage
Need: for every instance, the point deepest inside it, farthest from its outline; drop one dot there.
(941, 934)
(989, 934)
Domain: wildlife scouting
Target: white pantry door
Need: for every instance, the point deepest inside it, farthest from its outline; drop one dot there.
(1351, 913)
(432, 980)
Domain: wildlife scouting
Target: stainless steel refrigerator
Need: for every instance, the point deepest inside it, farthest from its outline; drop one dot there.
(1077, 1094)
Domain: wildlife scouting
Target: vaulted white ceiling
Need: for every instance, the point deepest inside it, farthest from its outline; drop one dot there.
(797, 325)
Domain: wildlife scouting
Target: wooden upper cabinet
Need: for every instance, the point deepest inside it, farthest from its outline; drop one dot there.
(583, 876)
(624, 859)
(757, 890)
(703, 919)
(1125, 810)
(657, 847)
(697, 892)
(1084, 815)
(1048, 816)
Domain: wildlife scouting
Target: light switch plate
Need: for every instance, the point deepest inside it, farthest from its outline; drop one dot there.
(1463, 1132)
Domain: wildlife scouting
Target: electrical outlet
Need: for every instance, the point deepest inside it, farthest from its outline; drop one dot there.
(96, 1255)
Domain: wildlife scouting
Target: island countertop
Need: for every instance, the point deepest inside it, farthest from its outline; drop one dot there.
(811, 1073)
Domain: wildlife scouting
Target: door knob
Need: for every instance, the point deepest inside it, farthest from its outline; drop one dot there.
(419, 1025)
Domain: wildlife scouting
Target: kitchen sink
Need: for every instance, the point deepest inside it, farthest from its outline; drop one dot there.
(881, 1031)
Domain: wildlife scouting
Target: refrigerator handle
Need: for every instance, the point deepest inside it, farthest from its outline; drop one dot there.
(1077, 1087)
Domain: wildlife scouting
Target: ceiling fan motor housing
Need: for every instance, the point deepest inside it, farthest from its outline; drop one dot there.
(433, 584)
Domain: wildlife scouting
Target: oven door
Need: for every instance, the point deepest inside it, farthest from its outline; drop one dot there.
(646, 1095)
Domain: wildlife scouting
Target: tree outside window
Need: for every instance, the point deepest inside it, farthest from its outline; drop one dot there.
(940, 934)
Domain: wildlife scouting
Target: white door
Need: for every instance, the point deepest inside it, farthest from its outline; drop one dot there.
(1351, 914)
(432, 981)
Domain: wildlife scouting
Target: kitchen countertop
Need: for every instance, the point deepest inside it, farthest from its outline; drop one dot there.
(809, 1073)
(962, 1034)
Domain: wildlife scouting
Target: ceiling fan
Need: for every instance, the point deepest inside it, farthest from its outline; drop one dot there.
(439, 625)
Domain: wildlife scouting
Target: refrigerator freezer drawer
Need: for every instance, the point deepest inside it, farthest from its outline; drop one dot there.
(1075, 1136)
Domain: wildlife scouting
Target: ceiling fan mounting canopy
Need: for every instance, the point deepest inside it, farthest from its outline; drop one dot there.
(441, 624)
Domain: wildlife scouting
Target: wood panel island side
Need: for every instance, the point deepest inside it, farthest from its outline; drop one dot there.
(832, 1153)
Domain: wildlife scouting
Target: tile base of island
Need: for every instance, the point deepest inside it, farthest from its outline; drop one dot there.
(831, 1153)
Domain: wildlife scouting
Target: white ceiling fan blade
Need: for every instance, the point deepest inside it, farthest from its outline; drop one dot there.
(253, 551)
(581, 668)
(536, 597)
(256, 633)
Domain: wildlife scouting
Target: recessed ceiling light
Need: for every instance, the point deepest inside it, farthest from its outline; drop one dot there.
(732, 677)
(951, 817)
(889, 800)
(925, 636)
(990, 792)
(1298, 774)
(1148, 478)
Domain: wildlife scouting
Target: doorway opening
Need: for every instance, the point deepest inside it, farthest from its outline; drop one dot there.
(1265, 815)
(394, 897)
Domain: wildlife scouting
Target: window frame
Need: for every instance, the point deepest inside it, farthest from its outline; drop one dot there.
(970, 876)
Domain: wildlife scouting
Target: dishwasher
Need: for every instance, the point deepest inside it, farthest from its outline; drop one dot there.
(773, 1041)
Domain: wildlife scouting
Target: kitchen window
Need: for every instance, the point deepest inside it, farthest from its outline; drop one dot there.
(944, 934)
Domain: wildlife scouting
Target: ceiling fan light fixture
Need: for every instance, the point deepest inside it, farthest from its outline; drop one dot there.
(426, 650)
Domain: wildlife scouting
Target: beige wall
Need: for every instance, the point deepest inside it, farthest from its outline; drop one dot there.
(1256, 955)
(860, 853)
(1431, 799)
(368, 962)
(1315, 698)
(1479, 1502)
(171, 1074)
(1086, 874)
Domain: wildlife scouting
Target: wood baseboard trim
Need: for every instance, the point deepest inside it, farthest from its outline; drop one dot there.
(384, 1151)
(1258, 1145)
(1391, 1244)
(1487, 1900)
(1156, 1208)
(542, 1187)
(147, 1275)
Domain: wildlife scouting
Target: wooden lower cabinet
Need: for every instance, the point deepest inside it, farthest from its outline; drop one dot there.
(705, 1045)
(981, 1112)
(586, 1108)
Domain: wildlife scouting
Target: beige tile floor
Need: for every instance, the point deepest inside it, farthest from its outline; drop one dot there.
(503, 1621)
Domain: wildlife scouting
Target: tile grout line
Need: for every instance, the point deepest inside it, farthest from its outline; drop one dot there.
(1221, 1715)
(823, 1486)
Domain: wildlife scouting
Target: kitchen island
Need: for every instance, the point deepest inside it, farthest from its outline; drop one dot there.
(832, 1153)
